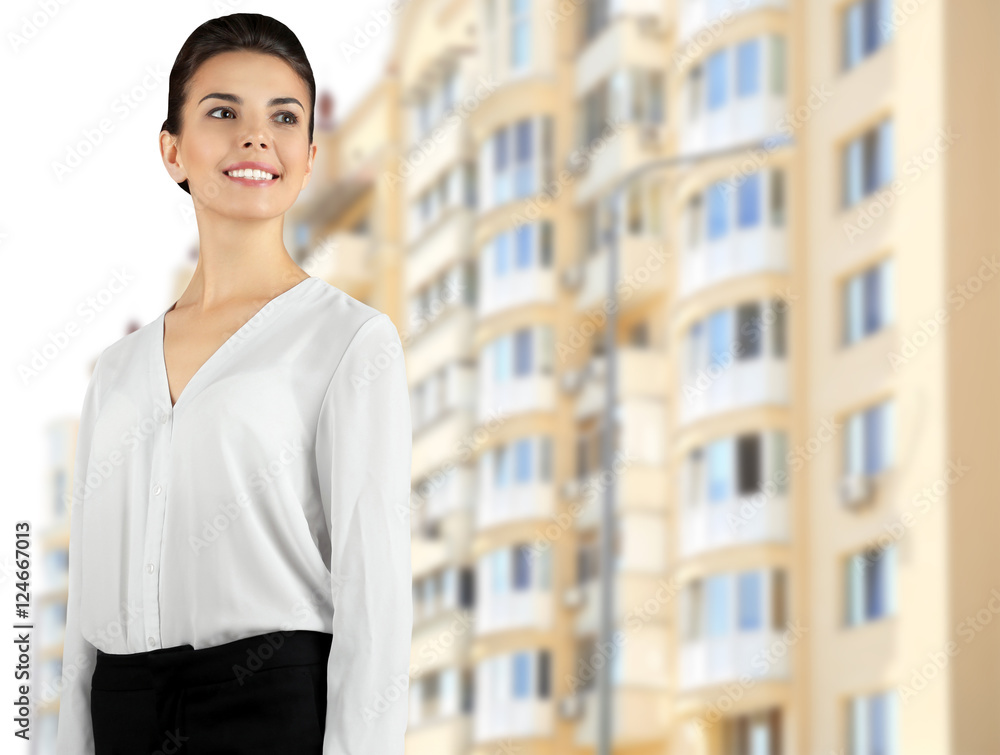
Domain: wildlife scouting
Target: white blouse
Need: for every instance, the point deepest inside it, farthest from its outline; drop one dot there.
(273, 496)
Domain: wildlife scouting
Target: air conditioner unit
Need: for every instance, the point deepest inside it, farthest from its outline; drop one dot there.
(571, 707)
(572, 277)
(573, 597)
(856, 490)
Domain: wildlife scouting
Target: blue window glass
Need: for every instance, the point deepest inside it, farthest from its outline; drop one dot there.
(750, 600)
(748, 68)
(522, 351)
(875, 585)
(718, 222)
(523, 140)
(501, 356)
(720, 465)
(501, 471)
(885, 152)
(522, 450)
(873, 439)
(718, 337)
(748, 201)
(500, 150)
(522, 675)
(717, 593)
(501, 250)
(872, 283)
(501, 571)
(524, 235)
(522, 568)
(718, 82)
(525, 165)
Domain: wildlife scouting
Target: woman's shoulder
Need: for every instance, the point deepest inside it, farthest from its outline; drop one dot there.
(335, 311)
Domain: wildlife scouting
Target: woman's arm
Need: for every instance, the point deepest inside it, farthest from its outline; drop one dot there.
(75, 734)
(363, 454)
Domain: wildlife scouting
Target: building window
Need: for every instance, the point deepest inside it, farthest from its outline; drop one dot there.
(748, 68)
(868, 163)
(718, 211)
(869, 440)
(522, 675)
(520, 33)
(718, 79)
(753, 734)
(866, 26)
(696, 92)
(870, 580)
(778, 197)
(524, 165)
(595, 18)
(777, 64)
(872, 724)
(522, 453)
(868, 301)
(522, 568)
(522, 351)
(749, 594)
(748, 201)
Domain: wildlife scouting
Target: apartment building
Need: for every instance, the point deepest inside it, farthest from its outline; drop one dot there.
(793, 193)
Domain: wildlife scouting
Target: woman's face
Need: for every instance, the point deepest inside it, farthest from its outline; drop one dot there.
(242, 107)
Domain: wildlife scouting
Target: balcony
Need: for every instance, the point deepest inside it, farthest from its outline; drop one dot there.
(512, 610)
(739, 121)
(638, 716)
(724, 659)
(633, 41)
(516, 288)
(739, 253)
(633, 593)
(447, 734)
(642, 374)
(738, 384)
(346, 260)
(639, 488)
(626, 145)
(737, 521)
(508, 719)
(517, 502)
(695, 15)
(642, 273)
(439, 247)
(528, 393)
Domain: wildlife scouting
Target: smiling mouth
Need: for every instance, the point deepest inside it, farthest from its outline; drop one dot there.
(252, 175)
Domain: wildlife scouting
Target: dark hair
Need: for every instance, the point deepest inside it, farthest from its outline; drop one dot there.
(238, 31)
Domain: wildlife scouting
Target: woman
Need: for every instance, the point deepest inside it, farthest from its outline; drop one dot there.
(239, 566)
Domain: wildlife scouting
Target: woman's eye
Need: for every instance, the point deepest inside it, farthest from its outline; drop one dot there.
(293, 118)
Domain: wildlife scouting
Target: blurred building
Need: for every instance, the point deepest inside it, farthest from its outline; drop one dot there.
(803, 557)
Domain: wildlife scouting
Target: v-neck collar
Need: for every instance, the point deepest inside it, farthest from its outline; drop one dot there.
(217, 356)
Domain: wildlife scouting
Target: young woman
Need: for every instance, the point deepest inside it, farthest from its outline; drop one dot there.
(239, 565)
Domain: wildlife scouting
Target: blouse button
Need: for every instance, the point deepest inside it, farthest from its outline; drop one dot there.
(149, 568)
(151, 641)
(164, 418)
(157, 490)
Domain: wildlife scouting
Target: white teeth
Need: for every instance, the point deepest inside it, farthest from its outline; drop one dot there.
(256, 175)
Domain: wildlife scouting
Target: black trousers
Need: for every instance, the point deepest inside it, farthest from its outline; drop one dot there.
(260, 694)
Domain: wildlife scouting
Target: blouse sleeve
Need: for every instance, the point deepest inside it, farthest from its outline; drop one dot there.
(74, 734)
(363, 454)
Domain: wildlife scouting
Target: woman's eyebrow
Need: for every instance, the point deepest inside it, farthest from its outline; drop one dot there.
(239, 100)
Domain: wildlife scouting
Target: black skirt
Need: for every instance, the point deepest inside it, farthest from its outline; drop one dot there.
(260, 694)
